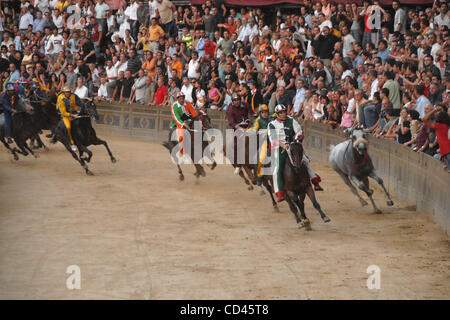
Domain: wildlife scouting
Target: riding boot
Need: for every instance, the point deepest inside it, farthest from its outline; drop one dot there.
(280, 196)
(315, 181)
(258, 181)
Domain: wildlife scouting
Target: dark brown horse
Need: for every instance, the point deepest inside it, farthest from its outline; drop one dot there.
(194, 137)
(298, 184)
(248, 164)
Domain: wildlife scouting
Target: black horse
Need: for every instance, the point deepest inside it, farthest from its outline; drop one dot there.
(83, 134)
(22, 128)
(298, 184)
(205, 121)
(45, 116)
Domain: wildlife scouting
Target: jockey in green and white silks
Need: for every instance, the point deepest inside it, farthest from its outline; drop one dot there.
(282, 131)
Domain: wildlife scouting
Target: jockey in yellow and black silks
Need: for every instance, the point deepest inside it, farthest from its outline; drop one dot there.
(67, 104)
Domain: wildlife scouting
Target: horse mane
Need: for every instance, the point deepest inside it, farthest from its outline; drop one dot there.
(358, 141)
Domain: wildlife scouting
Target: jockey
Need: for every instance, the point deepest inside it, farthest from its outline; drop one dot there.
(182, 113)
(283, 130)
(68, 105)
(260, 125)
(8, 101)
(19, 86)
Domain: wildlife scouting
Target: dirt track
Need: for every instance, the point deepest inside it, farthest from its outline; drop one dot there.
(138, 233)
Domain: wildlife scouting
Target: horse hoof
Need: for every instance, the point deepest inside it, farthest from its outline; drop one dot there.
(181, 178)
(300, 225)
(250, 188)
(307, 224)
(390, 203)
(89, 173)
(36, 156)
(276, 209)
(113, 160)
(378, 211)
(16, 157)
(363, 203)
(326, 219)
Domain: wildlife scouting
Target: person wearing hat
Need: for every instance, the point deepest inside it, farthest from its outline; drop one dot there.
(68, 104)
(183, 114)
(282, 131)
(8, 102)
(259, 126)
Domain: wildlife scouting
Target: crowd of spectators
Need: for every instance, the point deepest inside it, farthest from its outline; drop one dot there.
(382, 68)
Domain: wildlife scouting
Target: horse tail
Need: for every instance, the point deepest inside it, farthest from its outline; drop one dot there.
(166, 145)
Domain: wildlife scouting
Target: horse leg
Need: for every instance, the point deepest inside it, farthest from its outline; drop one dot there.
(80, 160)
(40, 143)
(300, 202)
(199, 171)
(242, 175)
(25, 145)
(180, 172)
(249, 174)
(291, 198)
(316, 205)
(270, 190)
(374, 176)
(13, 150)
(99, 141)
(352, 187)
(83, 149)
(366, 184)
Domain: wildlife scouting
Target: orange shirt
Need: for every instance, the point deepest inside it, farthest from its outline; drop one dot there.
(177, 65)
(154, 32)
(150, 67)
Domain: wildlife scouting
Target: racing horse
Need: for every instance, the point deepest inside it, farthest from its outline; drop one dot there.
(351, 160)
(83, 134)
(249, 167)
(205, 121)
(45, 115)
(22, 128)
(297, 183)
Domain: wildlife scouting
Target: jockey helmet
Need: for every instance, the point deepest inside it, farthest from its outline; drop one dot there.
(180, 94)
(280, 108)
(66, 89)
(263, 107)
(10, 87)
(235, 97)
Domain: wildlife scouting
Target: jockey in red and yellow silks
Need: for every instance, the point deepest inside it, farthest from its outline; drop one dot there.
(182, 114)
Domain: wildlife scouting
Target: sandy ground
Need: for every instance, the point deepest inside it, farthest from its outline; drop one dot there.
(136, 232)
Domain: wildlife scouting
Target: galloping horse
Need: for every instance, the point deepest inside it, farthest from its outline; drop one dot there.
(83, 134)
(351, 160)
(22, 128)
(249, 167)
(298, 184)
(206, 124)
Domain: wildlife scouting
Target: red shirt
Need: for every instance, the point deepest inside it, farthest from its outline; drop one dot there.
(210, 49)
(161, 93)
(442, 138)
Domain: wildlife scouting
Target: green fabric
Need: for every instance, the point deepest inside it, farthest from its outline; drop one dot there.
(394, 93)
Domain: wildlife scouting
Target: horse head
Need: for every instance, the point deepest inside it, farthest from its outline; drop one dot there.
(24, 105)
(204, 119)
(359, 140)
(296, 152)
(89, 108)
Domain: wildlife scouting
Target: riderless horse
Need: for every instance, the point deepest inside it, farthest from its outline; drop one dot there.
(297, 183)
(83, 134)
(351, 161)
(191, 137)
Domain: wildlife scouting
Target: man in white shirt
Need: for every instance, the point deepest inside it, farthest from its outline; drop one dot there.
(42, 5)
(323, 22)
(102, 93)
(372, 76)
(399, 18)
(299, 96)
(348, 41)
(249, 30)
(58, 20)
(442, 19)
(131, 13)
(186, 89)
(111, 76)
(25, 20)
(152, 5)
(81, 91)
(55, 44)
(194, 66)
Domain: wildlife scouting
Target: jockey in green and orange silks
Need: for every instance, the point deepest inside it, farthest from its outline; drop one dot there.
(182, 114)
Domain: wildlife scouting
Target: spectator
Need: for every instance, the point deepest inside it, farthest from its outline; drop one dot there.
(161, 96)
(81, 90)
